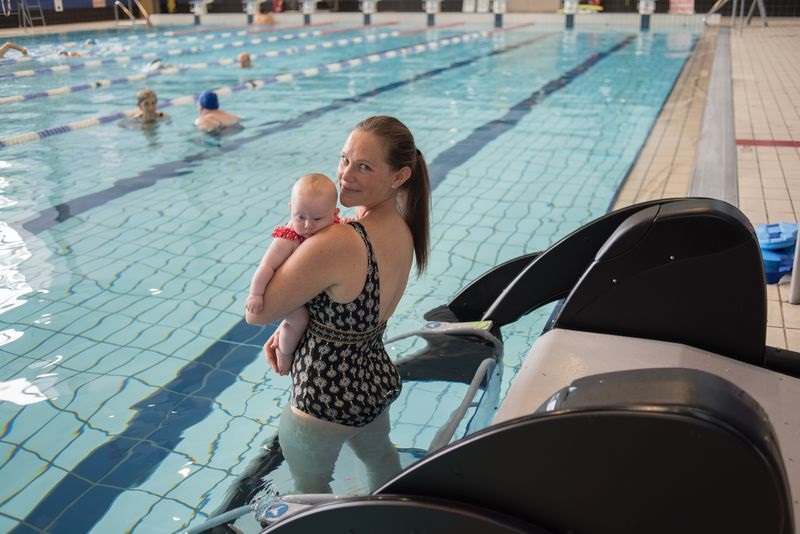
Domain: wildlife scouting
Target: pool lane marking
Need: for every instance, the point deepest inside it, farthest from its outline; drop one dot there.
(56, 69)
(104, 84)
(119, 458)
(152, 434)
(252, 84)
(460, 152)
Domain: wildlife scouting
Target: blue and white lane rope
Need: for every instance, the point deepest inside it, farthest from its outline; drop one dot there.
(132, 38)
(104, 84)
(15, 60)
(170, 41)
(153, 55)
(257, 84)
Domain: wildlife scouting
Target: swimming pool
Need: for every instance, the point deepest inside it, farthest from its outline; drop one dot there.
(133, 395)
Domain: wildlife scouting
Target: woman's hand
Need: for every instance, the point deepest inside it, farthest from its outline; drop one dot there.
(271, 352)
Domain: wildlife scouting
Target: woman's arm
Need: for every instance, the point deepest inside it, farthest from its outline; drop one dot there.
(327, 260)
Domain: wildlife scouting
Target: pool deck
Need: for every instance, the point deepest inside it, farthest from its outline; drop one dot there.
(765, 77)
(765, 102)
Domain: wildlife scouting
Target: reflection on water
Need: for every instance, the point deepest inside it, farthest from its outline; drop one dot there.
(21, 392)
(12, 283)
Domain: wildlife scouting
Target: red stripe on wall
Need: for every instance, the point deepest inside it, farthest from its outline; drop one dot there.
(767, 142)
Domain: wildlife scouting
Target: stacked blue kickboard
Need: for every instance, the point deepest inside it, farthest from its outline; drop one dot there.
(777, 243)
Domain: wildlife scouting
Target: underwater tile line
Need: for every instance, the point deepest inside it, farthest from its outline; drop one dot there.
(462, 151)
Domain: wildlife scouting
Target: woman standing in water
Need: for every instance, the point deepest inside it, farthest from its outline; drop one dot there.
(352, 277)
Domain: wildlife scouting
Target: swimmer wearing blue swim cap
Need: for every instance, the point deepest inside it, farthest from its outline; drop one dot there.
(212, 119)
(208, 100)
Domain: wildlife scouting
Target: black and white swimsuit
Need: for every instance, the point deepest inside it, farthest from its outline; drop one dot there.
(341, 371)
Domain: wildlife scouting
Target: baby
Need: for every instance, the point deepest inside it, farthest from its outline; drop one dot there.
(312, 208)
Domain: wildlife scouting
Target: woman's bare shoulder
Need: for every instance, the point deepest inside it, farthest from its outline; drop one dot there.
(335, 240)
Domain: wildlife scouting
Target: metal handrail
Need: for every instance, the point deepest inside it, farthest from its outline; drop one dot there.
(470, 328)
(119, 4)
(127, 11)
(144, 12)
(446, 432)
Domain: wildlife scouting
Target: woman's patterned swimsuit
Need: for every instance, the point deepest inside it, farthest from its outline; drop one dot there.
(341, 371)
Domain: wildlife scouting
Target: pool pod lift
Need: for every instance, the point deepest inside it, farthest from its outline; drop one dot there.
(650, 403)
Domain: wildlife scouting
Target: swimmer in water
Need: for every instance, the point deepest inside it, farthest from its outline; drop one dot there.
(212, 119)
(147, 104)
(12, 46)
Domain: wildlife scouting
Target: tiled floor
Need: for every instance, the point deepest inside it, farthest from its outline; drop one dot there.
(766, 89)
(766, 93)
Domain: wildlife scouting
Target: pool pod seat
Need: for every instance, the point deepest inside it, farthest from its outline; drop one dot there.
(650, 450)
(650, 403)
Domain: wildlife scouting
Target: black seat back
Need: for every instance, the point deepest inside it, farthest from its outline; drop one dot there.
(551, 275)
(648, 451)
(686, 272)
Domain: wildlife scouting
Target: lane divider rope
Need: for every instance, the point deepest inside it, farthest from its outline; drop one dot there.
(104, 84)
(156, 35)
(258, 84)
(171, 53)
(147, 55)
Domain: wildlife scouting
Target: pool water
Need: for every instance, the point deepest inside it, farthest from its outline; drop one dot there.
(132, 395)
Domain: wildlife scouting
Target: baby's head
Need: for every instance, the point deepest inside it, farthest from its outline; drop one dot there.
(313, 204)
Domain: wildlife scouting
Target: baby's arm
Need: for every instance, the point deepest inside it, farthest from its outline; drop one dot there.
(276, 254)
(292, 329)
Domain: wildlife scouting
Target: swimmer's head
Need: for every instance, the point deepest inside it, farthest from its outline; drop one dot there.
(155, 65)
(90, 42)
(244, 60)
(147, 102)
(208, 100)
(145, 94)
